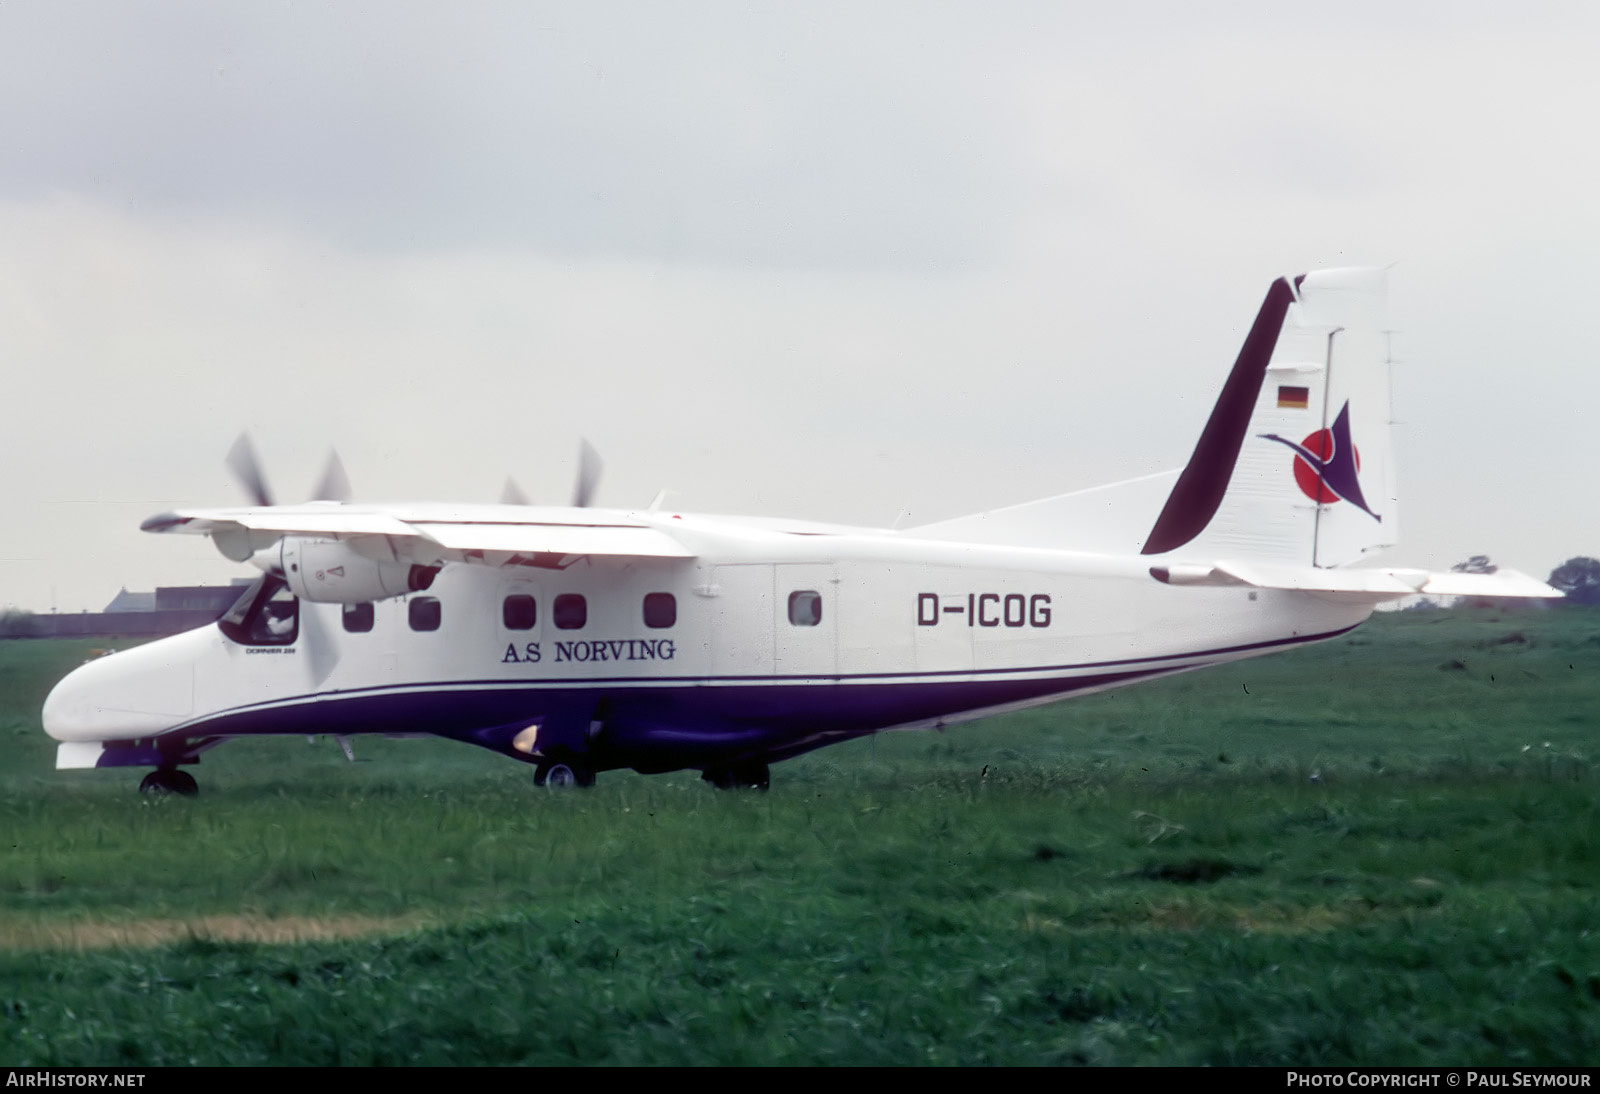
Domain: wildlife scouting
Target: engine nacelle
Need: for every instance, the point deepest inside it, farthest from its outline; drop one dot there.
(328, 571)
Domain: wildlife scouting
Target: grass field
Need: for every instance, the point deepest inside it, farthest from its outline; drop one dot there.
(1381, 850)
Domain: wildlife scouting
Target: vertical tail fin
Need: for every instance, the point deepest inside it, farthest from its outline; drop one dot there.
(1295, 464)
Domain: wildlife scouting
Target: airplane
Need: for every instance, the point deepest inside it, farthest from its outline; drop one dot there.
(581, 640)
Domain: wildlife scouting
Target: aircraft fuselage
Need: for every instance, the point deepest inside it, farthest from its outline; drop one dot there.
(766, 645)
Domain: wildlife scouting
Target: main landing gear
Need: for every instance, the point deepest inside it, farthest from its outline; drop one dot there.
(563, 774)
(572, 772)
(169, 780)
(744, 775)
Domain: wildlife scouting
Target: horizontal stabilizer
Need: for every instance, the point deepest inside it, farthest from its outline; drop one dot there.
(1502, 583)
(1374, 585)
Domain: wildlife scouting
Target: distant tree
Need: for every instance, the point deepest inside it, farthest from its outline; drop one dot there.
(15, 623)
(1579, 578)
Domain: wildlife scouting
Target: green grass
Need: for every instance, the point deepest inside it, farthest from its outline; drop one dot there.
(1359, 853)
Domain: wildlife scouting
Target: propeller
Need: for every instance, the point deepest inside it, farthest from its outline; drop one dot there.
(583, 490)
(246, 467)
(589, 467)
(322, 651)
(512, 494)
(335, 484)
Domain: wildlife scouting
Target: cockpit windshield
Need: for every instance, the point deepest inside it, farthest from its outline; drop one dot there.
(267, 614)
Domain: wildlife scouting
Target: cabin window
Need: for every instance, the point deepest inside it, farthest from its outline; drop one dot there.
(424, 613)
(358, 617)
(519, 612)
(660, 610)
(266, 614)
(805, 608)
(570, 612)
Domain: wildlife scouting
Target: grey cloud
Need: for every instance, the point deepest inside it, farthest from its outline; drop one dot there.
(699, 132)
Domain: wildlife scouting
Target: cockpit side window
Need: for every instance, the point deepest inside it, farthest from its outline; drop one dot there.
(266, 614)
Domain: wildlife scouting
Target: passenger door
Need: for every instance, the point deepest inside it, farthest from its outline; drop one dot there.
(741, 621)
(806, 607)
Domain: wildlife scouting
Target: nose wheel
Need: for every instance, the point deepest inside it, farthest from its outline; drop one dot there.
(169, 780)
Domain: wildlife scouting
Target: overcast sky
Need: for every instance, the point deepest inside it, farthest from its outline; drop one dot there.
(825, 260)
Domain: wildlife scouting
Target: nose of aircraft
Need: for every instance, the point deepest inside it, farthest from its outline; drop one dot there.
(126, 695)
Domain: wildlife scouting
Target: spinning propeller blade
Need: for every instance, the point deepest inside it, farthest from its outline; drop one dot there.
(335, 484)
(322, 652)
(247, 469)
(589, 468)
(512, 493)
(583, 490)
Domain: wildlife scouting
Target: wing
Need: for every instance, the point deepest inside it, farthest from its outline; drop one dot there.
(495, 535)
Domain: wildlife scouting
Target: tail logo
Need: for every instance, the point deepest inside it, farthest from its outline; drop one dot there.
(1327, 466)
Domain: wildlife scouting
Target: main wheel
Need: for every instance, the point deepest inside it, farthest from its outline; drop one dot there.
(752, 775)
(744, 775)
(563, 774)
(169, 781)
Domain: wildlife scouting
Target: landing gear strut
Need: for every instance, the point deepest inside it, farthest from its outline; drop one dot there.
(744, 775)
(169, 780)
(563, 774)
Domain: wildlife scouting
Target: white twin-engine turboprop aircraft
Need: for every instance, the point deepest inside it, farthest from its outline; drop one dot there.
(582, 639)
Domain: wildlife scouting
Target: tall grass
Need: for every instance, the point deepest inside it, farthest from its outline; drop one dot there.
(1381, 850)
